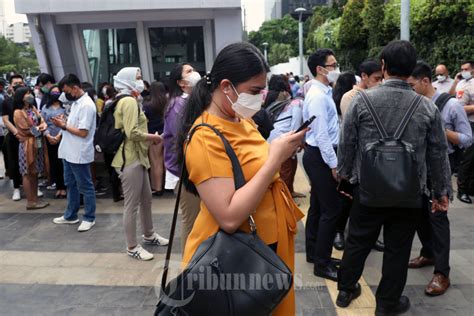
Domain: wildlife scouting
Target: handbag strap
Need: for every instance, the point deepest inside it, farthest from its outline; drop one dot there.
(404, 122)
(239, 180)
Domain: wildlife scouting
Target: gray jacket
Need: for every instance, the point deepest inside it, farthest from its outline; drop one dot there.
(424, 131)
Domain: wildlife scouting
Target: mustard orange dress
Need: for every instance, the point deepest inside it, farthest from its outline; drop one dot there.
(276, 216)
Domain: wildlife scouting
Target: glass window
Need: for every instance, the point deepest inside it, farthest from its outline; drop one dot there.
(109, 51)
(172, 45)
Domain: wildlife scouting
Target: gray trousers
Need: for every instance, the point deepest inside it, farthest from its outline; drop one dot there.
(137, 194)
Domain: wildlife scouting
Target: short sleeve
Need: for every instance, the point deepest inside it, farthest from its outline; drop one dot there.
(206, 157)
(86, 117)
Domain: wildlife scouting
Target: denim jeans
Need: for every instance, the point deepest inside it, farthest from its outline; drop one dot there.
(78, 180)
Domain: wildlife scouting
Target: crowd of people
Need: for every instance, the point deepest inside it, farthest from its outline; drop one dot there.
(48, 132)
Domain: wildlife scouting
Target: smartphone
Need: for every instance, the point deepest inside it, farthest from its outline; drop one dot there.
(306, 124)
(346, 187)
(35, 131)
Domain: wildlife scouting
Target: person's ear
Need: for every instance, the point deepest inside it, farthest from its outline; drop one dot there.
(226, 86)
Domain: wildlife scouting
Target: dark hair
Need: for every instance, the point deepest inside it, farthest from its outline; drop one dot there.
(86, 85)
(100, 88)
(111, 92)
(158, 100)
(470, 62)
(344, 83)
(15, 76)
(18, 96)
(297, 78)
(276, 84)
(146, 84)
(422, 70)
(44, 78)
(90, 92)
(175, 75)
(319, 58)
(399, 58)
(369, 66)
(238, 62)
(50, 101)
(69, 80)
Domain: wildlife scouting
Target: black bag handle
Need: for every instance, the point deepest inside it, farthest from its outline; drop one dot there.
(404, 122)
(239, 180)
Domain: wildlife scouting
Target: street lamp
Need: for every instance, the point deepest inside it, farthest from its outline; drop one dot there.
(300, 12)
(265, 45)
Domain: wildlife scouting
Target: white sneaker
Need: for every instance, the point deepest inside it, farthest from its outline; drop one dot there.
(155, 239)
(85, 226)
(139, 253)
(40, 194)
(16, 195)
(62, 220)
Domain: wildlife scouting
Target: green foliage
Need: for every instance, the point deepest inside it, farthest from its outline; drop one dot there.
(16, 58)
(352, 35)
(371, 14)
(327, 35)
(280, 53)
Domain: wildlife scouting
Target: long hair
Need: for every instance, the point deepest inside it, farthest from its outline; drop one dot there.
(276, 84)
(344, 83)
(176, 75)
(238, 63)
(158, 99)
(18, 96)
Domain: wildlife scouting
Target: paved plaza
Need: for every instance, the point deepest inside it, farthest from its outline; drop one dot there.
(47, 269)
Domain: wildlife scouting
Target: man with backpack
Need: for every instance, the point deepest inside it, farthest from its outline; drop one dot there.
(433, 229)
(390, 138)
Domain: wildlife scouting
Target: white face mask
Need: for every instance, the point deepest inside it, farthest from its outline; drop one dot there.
(333, 75)
(441, 78)
(466, 74)
(193, 78)
(139, 85)
(247, 104)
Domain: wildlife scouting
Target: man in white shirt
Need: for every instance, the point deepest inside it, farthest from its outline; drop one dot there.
(77, 151)
(443, 81)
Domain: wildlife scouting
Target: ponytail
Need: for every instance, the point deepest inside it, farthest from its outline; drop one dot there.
(238, 63)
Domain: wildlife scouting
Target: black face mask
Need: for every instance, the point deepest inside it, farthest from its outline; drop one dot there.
(54, 97)
(70, 97)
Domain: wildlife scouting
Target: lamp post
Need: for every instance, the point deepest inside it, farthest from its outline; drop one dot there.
(300, 12)
(405, 20)
(265, 45)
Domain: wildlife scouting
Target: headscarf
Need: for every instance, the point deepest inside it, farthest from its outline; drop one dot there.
(126, 81)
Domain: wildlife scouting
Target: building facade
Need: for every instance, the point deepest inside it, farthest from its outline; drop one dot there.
(95, 39)
(18, 33)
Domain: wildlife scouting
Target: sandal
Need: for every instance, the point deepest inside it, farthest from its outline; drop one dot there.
(37, 206)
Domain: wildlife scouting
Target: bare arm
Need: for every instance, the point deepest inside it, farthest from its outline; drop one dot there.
(453, 137)
(232, 207)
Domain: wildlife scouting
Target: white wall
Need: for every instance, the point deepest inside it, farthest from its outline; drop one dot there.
(293, 65)
(227, 28)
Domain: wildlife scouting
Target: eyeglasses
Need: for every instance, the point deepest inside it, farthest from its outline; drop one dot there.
(335, 65)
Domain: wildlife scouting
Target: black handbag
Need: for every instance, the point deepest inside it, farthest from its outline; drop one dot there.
(389, 176)
(229, 274)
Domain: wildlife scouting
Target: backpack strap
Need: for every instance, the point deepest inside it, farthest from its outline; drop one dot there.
(116, 101)
(442, 100)
(239, 180)
(411, 110)
(373, 113)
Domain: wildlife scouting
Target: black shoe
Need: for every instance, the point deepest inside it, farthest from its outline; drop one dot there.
(402, 307)
(309, 259)
(339, 241)
(336, 262)
(379, 246)
(463, 197)
(344, 298)
(327, 272)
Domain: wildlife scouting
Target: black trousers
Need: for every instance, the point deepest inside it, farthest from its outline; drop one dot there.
(434, 233)
(55, 166)
(399, 227)
(324, 210)
(346, 209)
(466, 172)
(113, 176)
(13, 161)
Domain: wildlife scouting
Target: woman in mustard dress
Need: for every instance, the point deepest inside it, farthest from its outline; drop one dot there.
(227, 98)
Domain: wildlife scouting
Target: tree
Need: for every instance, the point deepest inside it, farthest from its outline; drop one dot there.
(16, 58)
(373, 11)
(352, 35)
(280, 53)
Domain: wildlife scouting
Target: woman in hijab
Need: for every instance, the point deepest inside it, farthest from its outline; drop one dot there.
(133, 170)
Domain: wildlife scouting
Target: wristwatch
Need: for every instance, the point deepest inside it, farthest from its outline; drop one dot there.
(64, 127)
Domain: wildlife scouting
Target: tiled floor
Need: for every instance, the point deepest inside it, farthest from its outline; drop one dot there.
(47, 269)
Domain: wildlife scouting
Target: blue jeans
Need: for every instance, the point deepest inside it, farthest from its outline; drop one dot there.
(78, 180)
